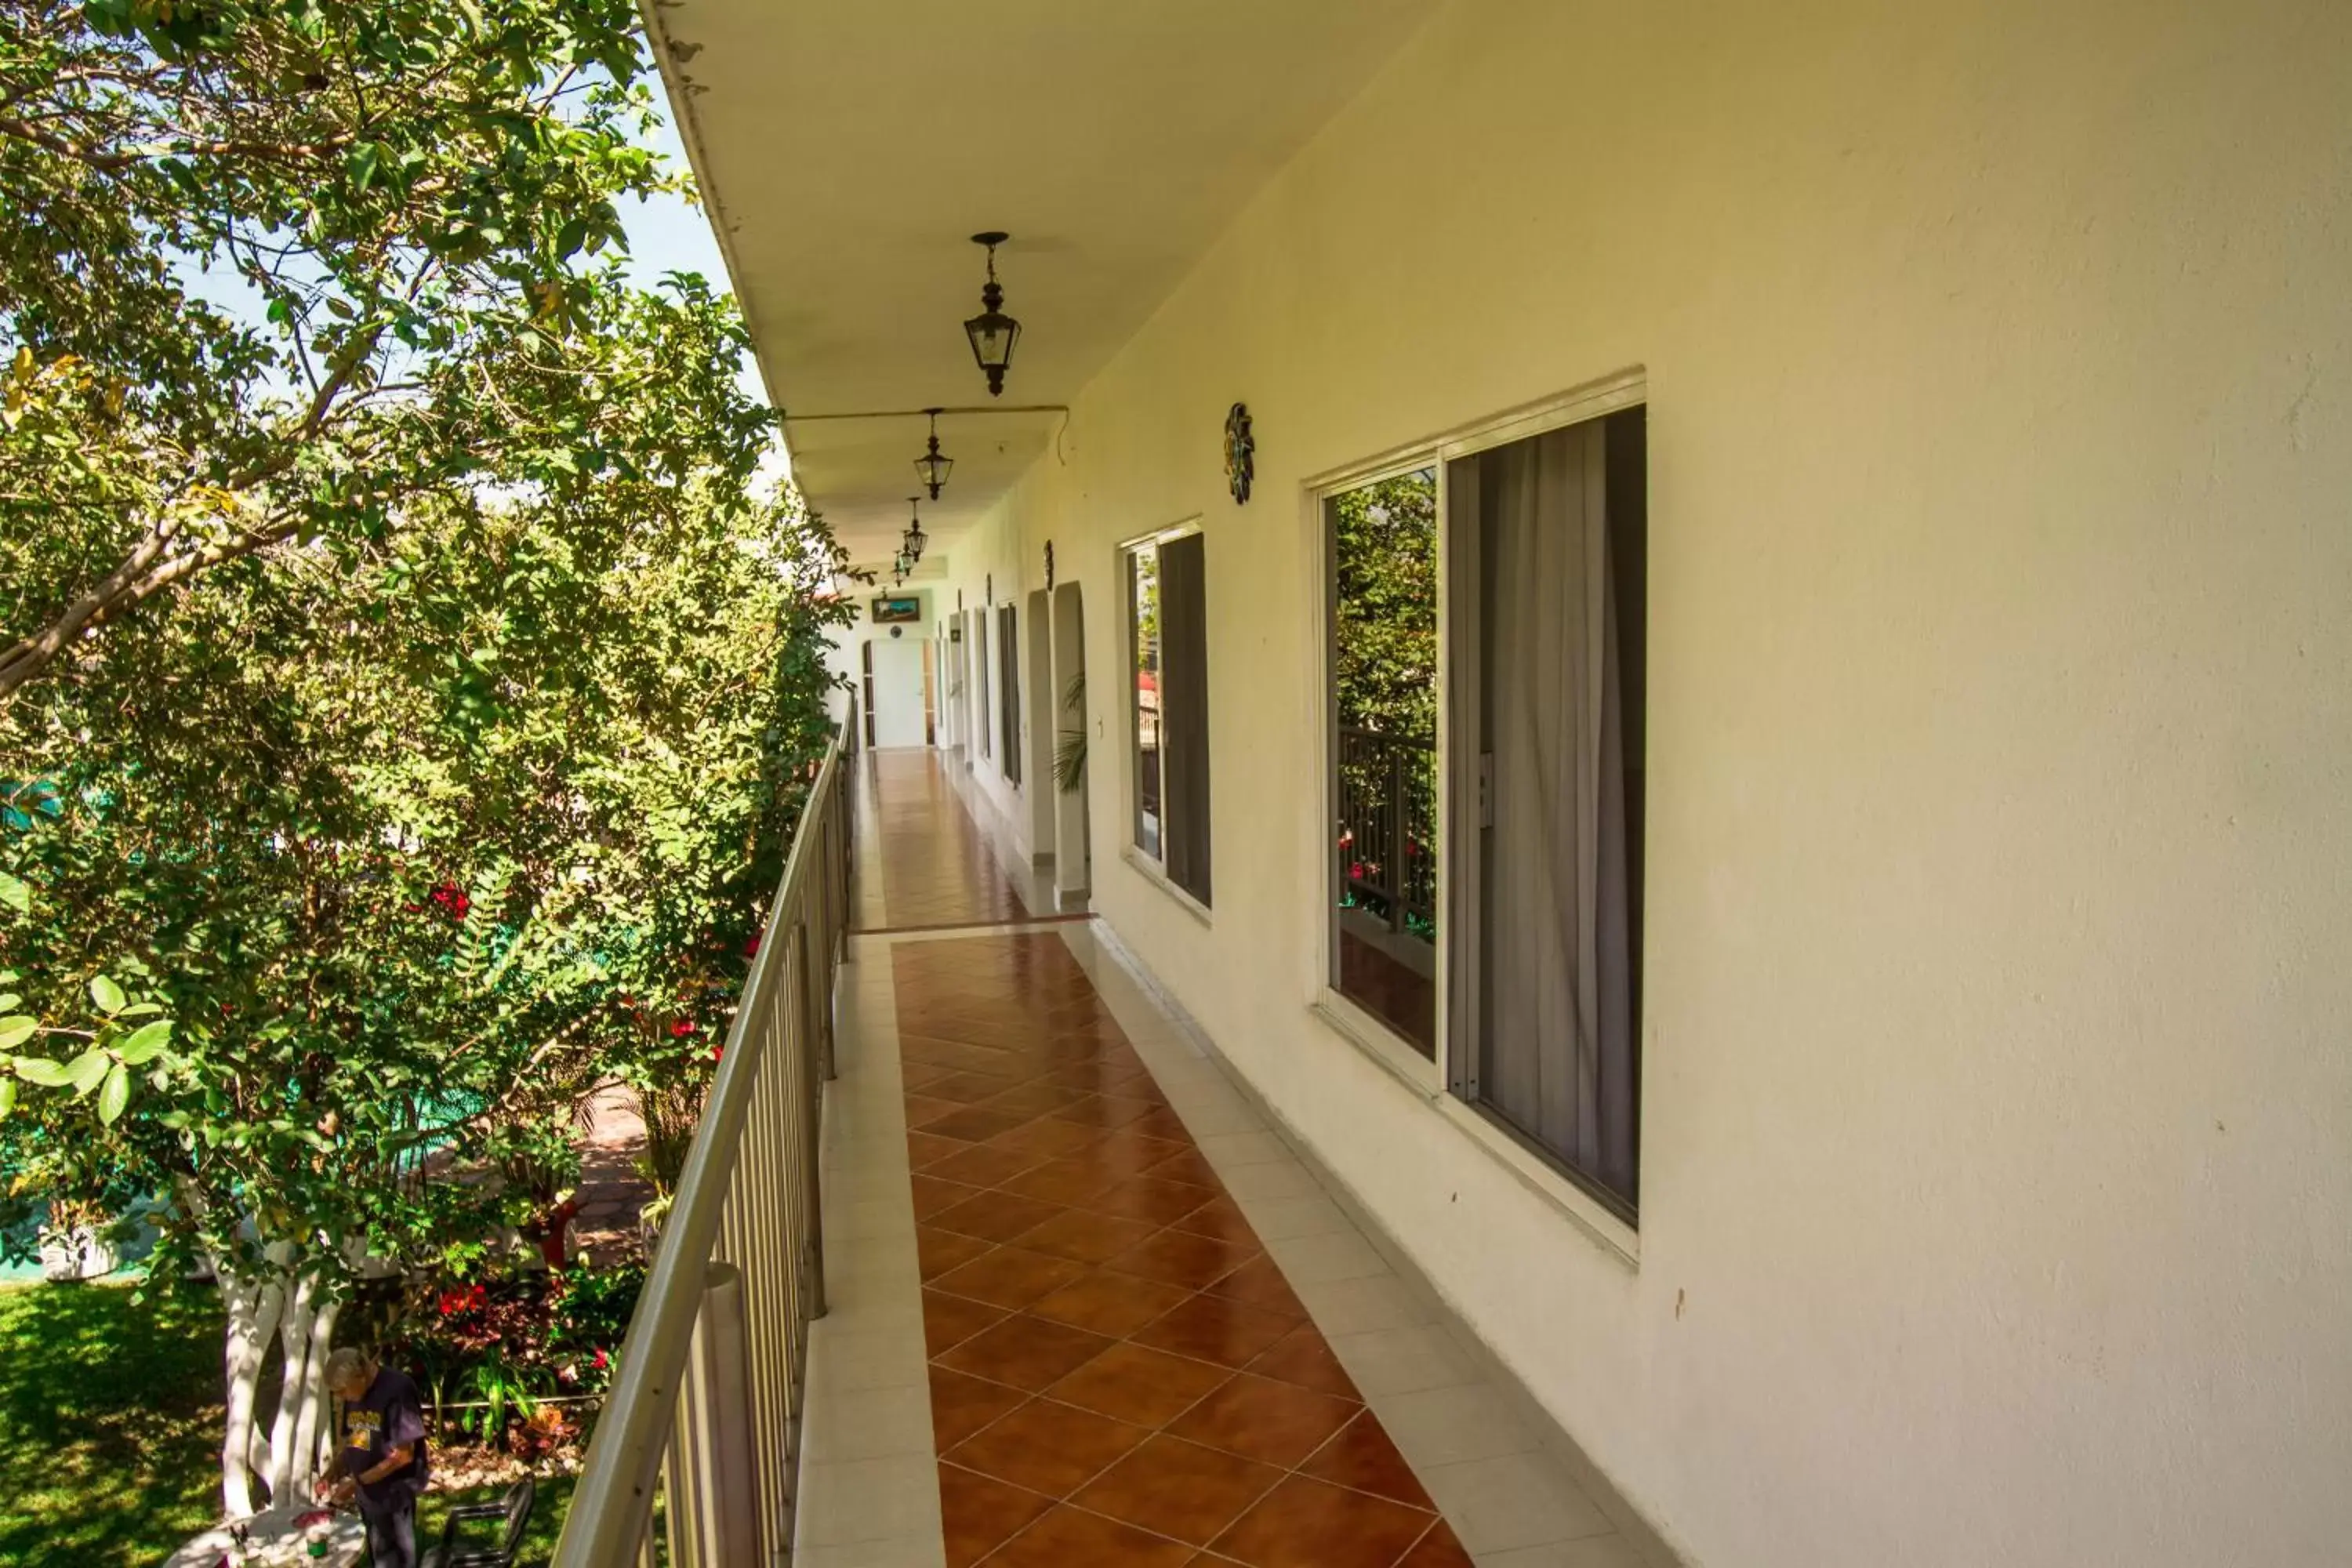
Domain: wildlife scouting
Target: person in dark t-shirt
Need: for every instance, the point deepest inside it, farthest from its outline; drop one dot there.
(380, 1457)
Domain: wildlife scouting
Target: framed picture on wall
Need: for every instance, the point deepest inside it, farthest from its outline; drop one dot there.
(889, 608)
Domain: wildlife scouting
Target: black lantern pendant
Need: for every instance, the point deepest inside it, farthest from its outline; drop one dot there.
(992, 332)
(931, 467)
(911, 547)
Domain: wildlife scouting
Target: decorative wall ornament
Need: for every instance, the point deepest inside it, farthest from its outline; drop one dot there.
(1241, 454)
(1049, 566)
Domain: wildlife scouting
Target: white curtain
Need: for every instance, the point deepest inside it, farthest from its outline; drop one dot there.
(1552, 1027)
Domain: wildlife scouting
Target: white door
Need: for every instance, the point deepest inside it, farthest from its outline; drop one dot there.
(897, 664)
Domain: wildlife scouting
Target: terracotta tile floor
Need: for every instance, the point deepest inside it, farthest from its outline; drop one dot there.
(1120, 1375)
(937, 867)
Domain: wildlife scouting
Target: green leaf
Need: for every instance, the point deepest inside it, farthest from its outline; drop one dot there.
(115, 1095)
(8, 1095)
(148, 1039)
(85, 1071)
(106, 996)
(362, 162)
(16, 1031)
(16, 894)
(136, 1010)
(41, 1072)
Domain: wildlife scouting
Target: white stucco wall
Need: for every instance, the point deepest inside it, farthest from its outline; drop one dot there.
(1997, 1176)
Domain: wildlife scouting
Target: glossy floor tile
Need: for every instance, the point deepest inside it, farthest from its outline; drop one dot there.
(1087, 1307)
(935, 868)
(1118, 1368)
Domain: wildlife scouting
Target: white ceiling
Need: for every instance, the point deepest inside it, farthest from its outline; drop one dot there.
(849, 148)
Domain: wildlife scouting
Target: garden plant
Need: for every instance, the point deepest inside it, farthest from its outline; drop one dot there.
(408, 682)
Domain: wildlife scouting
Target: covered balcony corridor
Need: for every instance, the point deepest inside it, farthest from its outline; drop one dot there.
(1085, 1305)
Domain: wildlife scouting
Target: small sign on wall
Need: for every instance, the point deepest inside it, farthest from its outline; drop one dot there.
(893, 608)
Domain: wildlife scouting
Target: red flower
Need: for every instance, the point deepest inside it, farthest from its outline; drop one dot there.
(450, 1303)
(1356, 871)
(717, 1052)
(601, 1362)
(681, 1028)
(751, 948)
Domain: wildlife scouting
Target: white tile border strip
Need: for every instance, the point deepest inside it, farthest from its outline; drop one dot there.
(869, 1486)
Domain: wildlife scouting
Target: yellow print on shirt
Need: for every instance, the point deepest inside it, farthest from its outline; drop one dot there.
(359, 1427)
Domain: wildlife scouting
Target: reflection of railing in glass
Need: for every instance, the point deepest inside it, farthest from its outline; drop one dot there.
(1388, 829)
(1143, 609)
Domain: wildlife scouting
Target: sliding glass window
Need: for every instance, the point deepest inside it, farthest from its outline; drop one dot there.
(1169, 657)
(1143, 621)
(1546, 715)
(1381, 540)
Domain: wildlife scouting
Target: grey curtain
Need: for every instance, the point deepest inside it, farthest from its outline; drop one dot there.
(1545, 1024)
(1185, 712)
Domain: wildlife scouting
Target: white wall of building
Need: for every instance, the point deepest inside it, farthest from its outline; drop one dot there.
(845, 657)
(1997, 1173)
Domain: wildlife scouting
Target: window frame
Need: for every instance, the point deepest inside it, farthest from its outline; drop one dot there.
(1360, 1023)
(976, 639)
(1553, 1179)
(1008, 694)
(1152, 865)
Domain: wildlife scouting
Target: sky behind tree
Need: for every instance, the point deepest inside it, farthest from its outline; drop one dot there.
(666, 234)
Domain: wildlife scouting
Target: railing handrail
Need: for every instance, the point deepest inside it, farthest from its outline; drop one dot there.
(1389, 738)
(614, 1496)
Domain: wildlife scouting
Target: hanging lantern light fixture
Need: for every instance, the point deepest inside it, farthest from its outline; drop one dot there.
(992, 332)
(931, 467)
(911, 547)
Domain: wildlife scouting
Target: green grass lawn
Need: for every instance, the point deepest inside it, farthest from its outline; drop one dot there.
(109, 1430)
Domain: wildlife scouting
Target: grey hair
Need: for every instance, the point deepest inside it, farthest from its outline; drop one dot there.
(347, 1364)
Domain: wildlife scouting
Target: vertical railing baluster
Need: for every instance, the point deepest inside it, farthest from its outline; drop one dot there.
(813, 1245)
(1396, 870)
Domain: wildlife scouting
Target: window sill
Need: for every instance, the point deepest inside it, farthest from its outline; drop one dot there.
(1151, 871)
(1547, 1183)
(1401, 1062)
(1380, 1042)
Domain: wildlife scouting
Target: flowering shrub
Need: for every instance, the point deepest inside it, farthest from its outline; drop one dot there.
(501, 1346)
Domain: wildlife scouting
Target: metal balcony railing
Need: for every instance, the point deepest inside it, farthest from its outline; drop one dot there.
(705, 1407)
(1388, 827)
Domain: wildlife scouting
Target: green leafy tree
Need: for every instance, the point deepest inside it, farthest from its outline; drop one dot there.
(405, 692)
(410, 848)
(1384, 556)
(417, 199)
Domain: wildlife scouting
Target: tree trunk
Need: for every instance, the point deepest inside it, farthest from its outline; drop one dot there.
(314, 1436)
(294, 1333)
(254, 1307)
